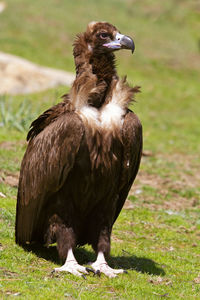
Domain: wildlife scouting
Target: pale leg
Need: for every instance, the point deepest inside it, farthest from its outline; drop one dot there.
(101, 266)
(71, 265)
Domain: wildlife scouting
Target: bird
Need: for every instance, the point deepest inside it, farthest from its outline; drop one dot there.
(82, 157)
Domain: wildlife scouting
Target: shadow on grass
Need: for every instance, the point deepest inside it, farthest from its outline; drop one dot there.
(139, 264)
(84, 257)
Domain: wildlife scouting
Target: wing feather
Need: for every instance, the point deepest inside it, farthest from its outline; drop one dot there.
(49, 157)
(132, 152)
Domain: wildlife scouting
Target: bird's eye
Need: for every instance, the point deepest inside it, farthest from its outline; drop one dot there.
(103, 35)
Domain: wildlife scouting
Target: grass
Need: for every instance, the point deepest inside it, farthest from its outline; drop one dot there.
(158, 240)
(18, 118)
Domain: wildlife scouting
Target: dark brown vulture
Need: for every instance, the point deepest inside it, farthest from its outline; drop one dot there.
(82, 157)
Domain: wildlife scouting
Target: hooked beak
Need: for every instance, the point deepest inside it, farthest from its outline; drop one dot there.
(121, 42)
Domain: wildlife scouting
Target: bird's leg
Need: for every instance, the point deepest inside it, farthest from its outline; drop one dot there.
(71, 265)
(101, 266)
(103, 248)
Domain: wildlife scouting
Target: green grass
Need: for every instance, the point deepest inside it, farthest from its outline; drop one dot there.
(158, 241)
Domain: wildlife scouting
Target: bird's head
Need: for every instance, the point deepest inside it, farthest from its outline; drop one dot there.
(103, 37)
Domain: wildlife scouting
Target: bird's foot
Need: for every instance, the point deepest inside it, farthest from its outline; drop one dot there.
(105, 269)
(101, 266)
(73, 267)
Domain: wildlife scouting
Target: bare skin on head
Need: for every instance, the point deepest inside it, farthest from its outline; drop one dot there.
(83, 156)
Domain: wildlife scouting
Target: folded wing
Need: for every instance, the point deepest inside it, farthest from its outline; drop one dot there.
(132, 152)
(49, 157)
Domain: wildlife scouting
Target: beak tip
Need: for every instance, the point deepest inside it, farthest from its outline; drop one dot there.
(128, 43)
(133, 47)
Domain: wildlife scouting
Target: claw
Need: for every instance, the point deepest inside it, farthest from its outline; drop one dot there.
(101, 266)
(125, 271)
(90, 270)
(98, 273)
(72, 266)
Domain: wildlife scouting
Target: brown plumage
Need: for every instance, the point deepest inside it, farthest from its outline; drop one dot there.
(82, 157)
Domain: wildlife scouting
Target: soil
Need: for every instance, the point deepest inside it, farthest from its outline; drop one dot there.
(188, 178)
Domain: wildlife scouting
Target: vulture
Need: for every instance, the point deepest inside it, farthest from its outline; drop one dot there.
(82, 157)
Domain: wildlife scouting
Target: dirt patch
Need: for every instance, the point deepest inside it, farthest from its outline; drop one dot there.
(11, 179)
(128, 205)
(8, 274)
(169, 193)
(8, 145)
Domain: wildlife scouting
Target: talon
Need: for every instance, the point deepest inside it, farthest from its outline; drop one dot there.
(53, 271)
(90, 270)
(101, 266)
(72, 266)
(83, 276)
(125, 271)
(98, 273)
